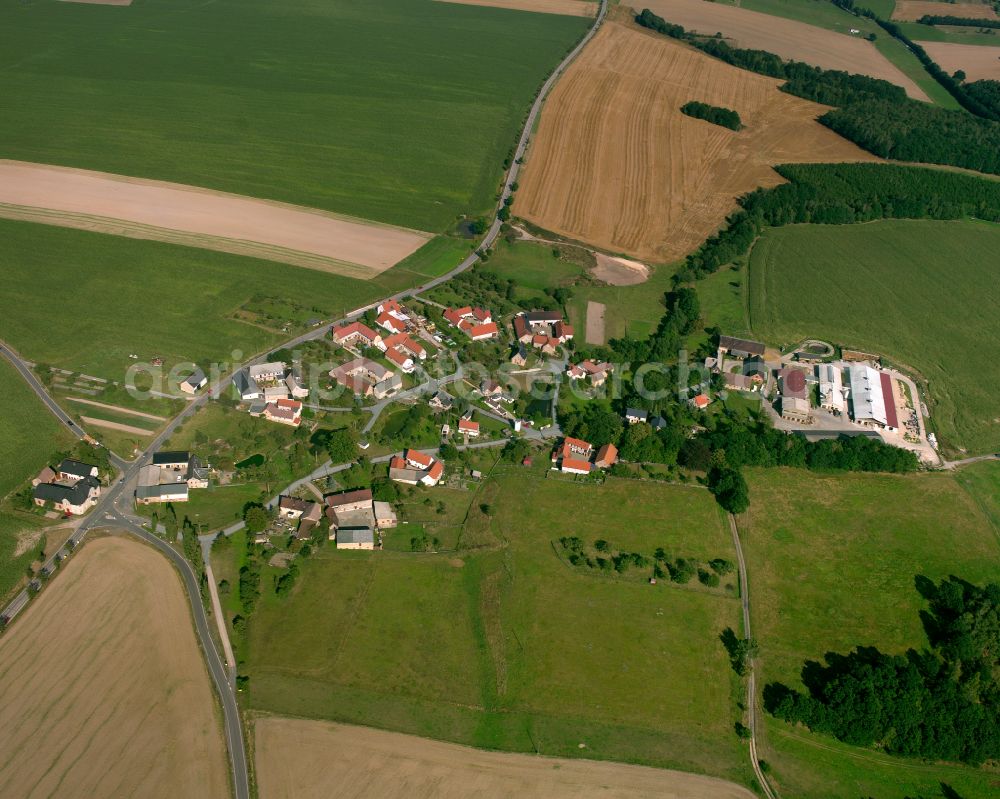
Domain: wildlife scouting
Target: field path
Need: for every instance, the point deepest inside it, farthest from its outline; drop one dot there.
(293, 762)
(785, 37)
(152, 209)
(103, 686)
(123, 428)
(118, 409)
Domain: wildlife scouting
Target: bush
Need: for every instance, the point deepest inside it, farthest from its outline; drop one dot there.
(711, 579)
(724, 117)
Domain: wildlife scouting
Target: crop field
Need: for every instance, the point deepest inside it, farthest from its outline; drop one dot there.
(503, 645)
(831, 563)
(103, 663)
(617, 165)
(293, 760)
(978, 62)
(912, 10)
(915, 291)
(574, 8)
(398, 111)
(788, 38)
(147, 209)
(155, 299)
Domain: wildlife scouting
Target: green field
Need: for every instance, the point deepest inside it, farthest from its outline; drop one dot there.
(29, 435)
(919, 292)
(506, 646)
(948, 33)
(632, 309)
(400, 111)
(831, 563)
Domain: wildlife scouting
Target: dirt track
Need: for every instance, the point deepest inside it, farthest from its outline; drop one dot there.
(121, 428)
(619, 271)
(785, 37)
(299, 759)
(979, 62)
(103, 688)
(617, 165)
(595, 322)
(571, 8)
(150, 209)
(908, 10)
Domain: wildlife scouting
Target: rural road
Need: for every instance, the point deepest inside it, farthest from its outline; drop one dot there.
(104, 513)
(751, 680)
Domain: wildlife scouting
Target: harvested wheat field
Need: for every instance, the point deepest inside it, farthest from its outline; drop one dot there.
(979, 62)
(103, 687)
(616, 164)
(910, 10)
(293, 759)
(785, 37)
(571, 8)
(151, 209)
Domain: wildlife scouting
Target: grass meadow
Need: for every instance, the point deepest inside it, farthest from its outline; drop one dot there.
(923, 293)
(400, 111)
(502, 645)
(86, 301)
(831, 563)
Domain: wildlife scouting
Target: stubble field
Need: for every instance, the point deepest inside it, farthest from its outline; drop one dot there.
(616, 164)
(573, 8)
(788, 38)
(103, 686)
(293, 762)
(978, 62)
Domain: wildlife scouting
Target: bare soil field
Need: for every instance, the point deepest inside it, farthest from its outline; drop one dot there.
(122, 428)
(978, 61)
(595, 323)
(785, 37)
(572, 8)
(293, 760)
(103, 687)
(149, 209)
(616, 164)
(619, 271)
(911, 10)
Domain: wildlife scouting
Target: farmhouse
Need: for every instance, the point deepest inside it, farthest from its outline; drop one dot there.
(307, 514)
(469, 428)
(267, 372)
(596, 372)
(701, 401)
(193, 382)
(794, 394)
(246, 386)
(736, 381)
(476, 323)
(354, 517)
(284, 411)
(393, 308)
(355, 333)
(74, 490)
(831, 388)
(440, 402)
(607, 456)
(295, 386)
(543, 330)
(169, 477)
(636, 415)
(355, 538)
(365, 377)
(391, 323)
(519, 355)
(414, 467)
(150, 494)
(574, 456)
(739, 348)
(872, 401)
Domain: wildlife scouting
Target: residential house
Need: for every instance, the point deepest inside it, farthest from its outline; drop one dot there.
(275, 392)
(596, 372)
(636, 415)
(246, 386)
(193, 382)
(296, 387)
(607, 456)
(46, 475)
(70, 471)
(440, 402)
(267, 372)
(391, 323)
(401, 359)
(405, 343)
(414, 467)
(562, 331)
(385, 516)
(519, 355)
(393, 308)
(467, 427)
(284, 411)
(73, 497)
(363, 376)
(701, 401)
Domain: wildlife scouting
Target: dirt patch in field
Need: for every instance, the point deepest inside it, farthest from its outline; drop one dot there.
(571, 8)
(117, 409)
(27, 539)
(150, 209)
(910, 10)
(979, 62)
(294, 762)
(785, 37)
(103, 686)
(595, 322)
(616, 164)
(122, 428)
(619, 271)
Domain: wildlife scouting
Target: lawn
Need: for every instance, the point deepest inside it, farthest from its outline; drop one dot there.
(921, 293)
(831, 563)
(505, 646)
(400, 111)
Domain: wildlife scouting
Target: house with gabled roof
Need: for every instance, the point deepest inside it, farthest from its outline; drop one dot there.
(355, 333)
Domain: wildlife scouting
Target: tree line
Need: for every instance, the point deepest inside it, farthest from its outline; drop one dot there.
(967, 22)
(724, 117)
(874, 114)
(941, 703)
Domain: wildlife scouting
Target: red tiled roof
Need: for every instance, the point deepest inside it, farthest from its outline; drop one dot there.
(390, 305)
(355, 329)
(891, 419)
(397, 462)
(538, 340)
(436, 470)
(387, 319)
(419, 458)
(521, 327)
(348, 497)
(295, 405)
(607, 455)
(397, 356)
(482, 314)
(455, 315)
(578, 443)
(468, 424)
(573, 463)
(487, 329)
(701, 401)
